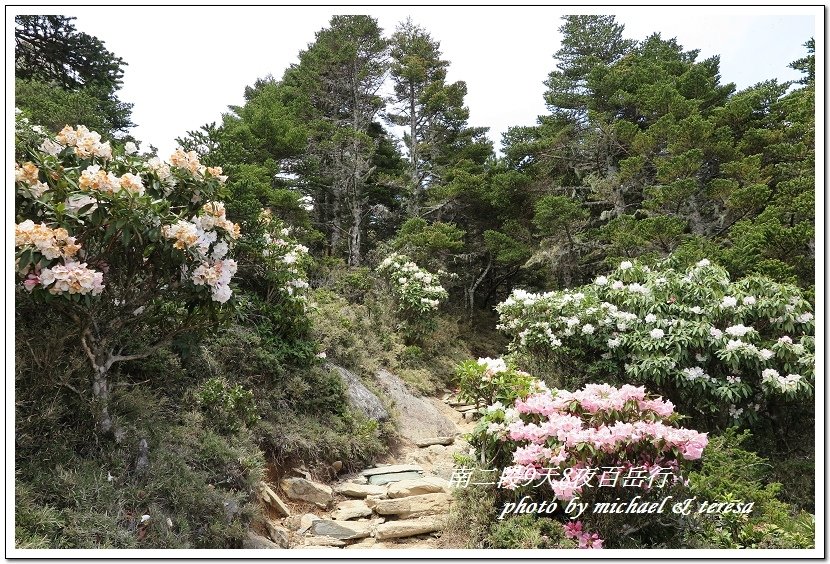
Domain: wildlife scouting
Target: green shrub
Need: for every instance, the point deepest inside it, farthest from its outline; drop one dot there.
(487, 381)
(731, 473)
(528, 531)
(227, 408)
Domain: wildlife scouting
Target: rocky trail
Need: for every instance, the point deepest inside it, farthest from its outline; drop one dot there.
(401, 502)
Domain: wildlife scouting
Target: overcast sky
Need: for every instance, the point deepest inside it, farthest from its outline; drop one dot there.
(187, 64)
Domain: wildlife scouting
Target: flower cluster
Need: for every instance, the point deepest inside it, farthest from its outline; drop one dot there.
(418, 291)
(597, 426)
(87, 143)
(93, 178)
(27, 178)
(490, 381)
(85, 200)
(51, 243)
(286, 258)
(70, 277)
(201, 236)
(417, 287)
(695, 327)
(573, 530)
(189, 162)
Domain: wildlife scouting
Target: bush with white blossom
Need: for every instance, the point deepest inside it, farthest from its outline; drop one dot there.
(417, 292)
(133, 251)
(717, 345)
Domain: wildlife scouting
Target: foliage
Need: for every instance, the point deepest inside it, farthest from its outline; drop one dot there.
(228, 408)
(51, 54)
(700, 338)
(731, 473)
(528, 531)
(417, 292)
(489, 381)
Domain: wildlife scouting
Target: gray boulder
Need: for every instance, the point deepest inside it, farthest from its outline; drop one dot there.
(418, 418)
(360, 397)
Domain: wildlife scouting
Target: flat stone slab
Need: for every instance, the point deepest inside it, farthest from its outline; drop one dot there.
(306, 490)
(416, 505)
(278, 534)
(256, 541)
(324, 541)
(426, 485)
(343, 530)
(352, 489)
(445, 441)
(380, 479)
(391, 469)
(351, 509)
(366, 544)
(408, 528)
(271, 498)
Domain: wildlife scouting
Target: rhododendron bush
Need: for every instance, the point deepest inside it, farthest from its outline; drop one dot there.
(736, 348)
(599, 444)
(133, 251)
(418, 293)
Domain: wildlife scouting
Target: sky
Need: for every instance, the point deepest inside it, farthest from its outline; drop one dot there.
(186, 65)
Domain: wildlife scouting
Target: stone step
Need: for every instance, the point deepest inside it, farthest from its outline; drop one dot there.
(391, 469)
(351, 509)
(445, 441)
(416, 505)
(343, 530)
(300, 489)
(381, 479)
(351, 489)
(409, 528)
(425, 485)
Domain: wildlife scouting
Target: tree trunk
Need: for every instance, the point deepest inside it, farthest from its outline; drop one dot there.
(413, 154)
(471, 291)
(355, 235)
(336, 226)
(101, 360)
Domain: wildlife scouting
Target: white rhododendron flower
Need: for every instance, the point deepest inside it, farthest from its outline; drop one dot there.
(50, 147)
(694, 373)
(130, 148)
(494, 365)
(715, 332)
(704, 262)
(738, 330)
(734, 344)
(587, 329)
(651, 318)
(657, 333)
(601, 281)
(618, 285)
(749, 300)
(728, 301)
(625, 265)
(805, 317)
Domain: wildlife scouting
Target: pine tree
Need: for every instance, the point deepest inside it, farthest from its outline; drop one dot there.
(51, 52)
